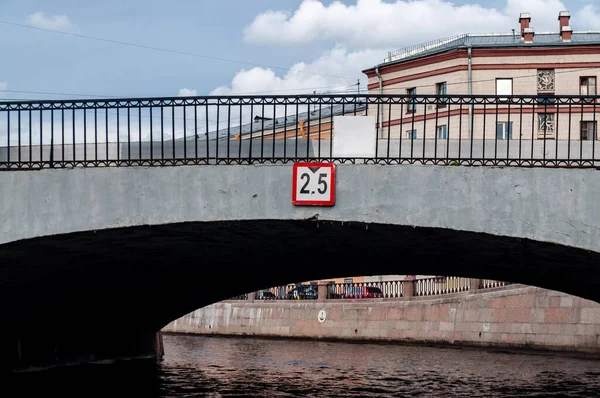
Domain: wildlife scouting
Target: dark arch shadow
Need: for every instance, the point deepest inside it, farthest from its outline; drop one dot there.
(121, 282)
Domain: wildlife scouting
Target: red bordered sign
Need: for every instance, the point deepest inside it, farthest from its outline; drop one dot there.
(313, 184)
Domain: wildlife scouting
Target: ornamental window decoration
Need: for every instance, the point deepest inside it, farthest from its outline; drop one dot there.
(545, 80)
(546, 122)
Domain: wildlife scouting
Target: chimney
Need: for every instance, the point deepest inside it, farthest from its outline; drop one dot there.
(566, 32)
(564, 17)
(528, 34)
(524, 20)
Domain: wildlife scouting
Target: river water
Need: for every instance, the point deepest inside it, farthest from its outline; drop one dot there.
(198, 366)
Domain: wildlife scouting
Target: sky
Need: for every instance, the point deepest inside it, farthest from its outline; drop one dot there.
(135, 48)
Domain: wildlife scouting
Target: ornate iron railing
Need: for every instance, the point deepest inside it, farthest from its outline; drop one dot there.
(544, 131)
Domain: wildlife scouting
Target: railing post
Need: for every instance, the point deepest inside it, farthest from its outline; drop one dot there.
(474, 284)
(251, 297)
(408, 288)
(322, 291)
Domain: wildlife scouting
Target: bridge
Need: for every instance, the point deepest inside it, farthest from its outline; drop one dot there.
(96, 259)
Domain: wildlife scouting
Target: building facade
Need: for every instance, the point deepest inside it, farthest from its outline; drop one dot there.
(522, 63)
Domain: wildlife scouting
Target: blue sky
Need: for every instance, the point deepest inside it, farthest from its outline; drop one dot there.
(326, 44)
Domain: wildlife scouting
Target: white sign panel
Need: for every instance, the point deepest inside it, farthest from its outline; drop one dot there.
(354, 136)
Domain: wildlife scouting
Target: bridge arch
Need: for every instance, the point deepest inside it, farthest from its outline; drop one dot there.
(125, 251)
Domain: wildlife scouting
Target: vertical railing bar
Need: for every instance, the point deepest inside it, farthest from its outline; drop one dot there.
(401, 119)
(319, 133)
(106, 138)
(151, 134)
(556, 130)
(74, 137)
(51, 137)
(84, 134)
(173, 131)
(594, 127)
(379, 126)
(297, 124)
(195, 131)
(437, 115)
(520, 127)
(484, 123)
(31, 138)
(471, 125)
(62, 132)
(308, 131)
(580, 138)
(412, 131)
(162, 134)
(285, 128)
(331, 127)
(496, 132)
(118, 133)
(389, 128)
(129, 133)
(19, 137)
(424, 128)
(569, 132)
(240, 131)
(207, 130)
(274, 127)
(96, 134)
(262, 130)
(448, 131)
(533, 123)
(217, 132)
(510, 131)
(229, 129)
(250, 157)
(184, 131)
(545, 129)
(140, 133)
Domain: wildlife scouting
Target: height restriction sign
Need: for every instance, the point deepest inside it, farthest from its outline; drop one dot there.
(313, 184)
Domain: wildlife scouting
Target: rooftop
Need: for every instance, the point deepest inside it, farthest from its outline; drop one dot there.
(487, 41)
(266, 124)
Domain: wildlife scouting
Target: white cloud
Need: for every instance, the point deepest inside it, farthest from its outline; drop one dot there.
(377, 24)
(588, 16)
(53, 22)
(187, 92)
(336, 70)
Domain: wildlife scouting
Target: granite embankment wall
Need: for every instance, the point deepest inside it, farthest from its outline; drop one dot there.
(511, 317)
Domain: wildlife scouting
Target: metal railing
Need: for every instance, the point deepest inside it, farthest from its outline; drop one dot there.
(440, 285)
(383, 289)
(490, 284)
(544, 131)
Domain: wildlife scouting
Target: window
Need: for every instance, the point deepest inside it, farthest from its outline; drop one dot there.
(545, 80)
(504, 87)
(587, 85)
(440, 89)
(588, 130)
(504, 130)
(441, 132)
(412, 105)
(546, 122)
(412, 134)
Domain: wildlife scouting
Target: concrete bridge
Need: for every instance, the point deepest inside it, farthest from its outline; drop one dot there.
(94, 261)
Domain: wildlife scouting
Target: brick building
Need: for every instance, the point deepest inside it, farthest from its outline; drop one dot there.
(566, 62)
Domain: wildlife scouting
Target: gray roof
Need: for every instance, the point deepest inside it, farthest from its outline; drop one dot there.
(488, 41)
(326, 112)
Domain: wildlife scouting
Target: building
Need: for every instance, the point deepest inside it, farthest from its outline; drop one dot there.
(566, 62)
(317, 123)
